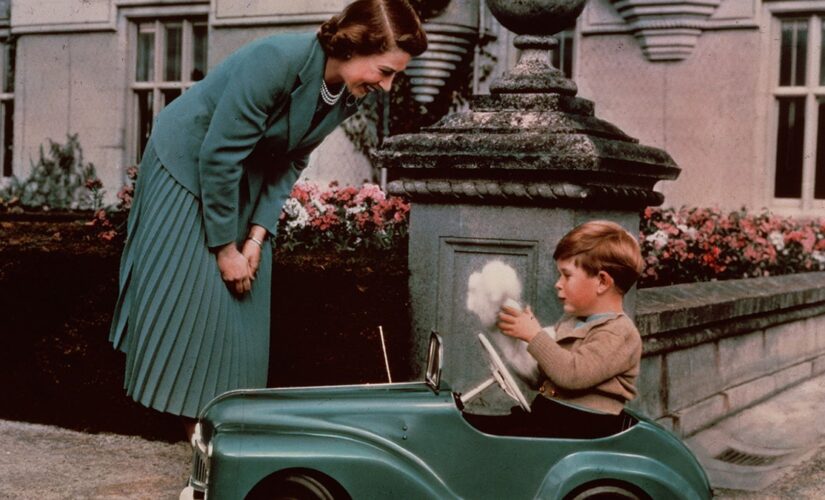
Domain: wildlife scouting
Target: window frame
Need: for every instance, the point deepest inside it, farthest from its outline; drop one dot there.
(811, 90)
(155, 20)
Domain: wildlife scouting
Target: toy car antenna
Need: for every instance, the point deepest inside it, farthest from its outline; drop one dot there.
(384, 349)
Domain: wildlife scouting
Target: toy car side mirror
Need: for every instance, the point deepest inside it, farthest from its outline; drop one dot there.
(435, 358)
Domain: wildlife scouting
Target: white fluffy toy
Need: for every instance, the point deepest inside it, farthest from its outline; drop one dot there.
(497, 284)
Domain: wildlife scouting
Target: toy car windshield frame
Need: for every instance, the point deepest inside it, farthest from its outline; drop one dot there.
(435, 359)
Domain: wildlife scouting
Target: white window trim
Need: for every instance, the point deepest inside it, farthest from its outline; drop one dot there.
(814, 12)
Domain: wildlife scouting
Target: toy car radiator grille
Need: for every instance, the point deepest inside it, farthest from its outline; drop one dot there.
(200, 470)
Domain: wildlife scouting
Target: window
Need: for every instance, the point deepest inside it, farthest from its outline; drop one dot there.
(6, 106)
(799, 113)
(170, 56)
(563, 54)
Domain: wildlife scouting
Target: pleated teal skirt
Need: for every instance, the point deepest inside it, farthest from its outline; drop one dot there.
(187, 338)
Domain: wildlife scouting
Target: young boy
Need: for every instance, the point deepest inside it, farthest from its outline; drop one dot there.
(591, 367)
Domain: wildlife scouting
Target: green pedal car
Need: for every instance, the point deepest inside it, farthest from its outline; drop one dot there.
(411, 440)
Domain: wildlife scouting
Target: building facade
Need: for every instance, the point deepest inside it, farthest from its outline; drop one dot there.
(732, 89)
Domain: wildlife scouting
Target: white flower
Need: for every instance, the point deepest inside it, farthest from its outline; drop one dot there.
(297, 213)
(819, 257)
(777, 240)
(659, 239)
(319, 205)
(355, 210)
(690, 232)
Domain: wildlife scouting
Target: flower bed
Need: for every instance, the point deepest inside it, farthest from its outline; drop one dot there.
(342, 219)
(699, 244)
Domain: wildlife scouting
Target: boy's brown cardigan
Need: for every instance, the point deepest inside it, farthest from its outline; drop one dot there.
(594, 365)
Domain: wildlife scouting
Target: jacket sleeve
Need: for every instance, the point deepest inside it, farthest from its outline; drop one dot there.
(275, 193)
(257, 84)
(604, 354)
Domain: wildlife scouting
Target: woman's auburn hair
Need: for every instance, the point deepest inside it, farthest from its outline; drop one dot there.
(602, 245)
(367, 27)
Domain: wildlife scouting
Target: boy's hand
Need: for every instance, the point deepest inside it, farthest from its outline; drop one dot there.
(519, 324)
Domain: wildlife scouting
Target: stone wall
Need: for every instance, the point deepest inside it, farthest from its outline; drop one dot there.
(712, 349)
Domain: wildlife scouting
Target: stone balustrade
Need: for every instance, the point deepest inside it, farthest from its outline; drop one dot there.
(712, 349)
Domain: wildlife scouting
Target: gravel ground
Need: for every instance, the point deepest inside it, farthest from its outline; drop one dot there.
(43, 463)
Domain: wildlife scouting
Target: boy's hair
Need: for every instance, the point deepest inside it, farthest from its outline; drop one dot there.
(602, 245)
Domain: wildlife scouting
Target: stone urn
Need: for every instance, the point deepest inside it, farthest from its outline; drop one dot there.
(536, 17)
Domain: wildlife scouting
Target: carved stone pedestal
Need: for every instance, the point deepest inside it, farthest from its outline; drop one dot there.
(505, 180)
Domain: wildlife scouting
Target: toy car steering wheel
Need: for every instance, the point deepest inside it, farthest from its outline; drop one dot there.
(500, 374)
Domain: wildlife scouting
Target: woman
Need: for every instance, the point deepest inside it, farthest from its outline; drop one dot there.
(193, 311)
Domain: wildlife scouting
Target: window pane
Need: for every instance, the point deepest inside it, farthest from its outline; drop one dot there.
(822, 59)
(174, 37)
(145, 57)
(170, 95)
(8, 136)
(562, 57)
(144, 119)
(7, 66)
(819, 183)
(801, 53)
(794, 53)
(789, 144)
(199, 58)
(8, 70)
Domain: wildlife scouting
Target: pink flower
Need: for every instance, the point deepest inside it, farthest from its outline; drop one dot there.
(93, 183)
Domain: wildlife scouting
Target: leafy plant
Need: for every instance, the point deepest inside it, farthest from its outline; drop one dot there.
(104, 218)
(60, 179)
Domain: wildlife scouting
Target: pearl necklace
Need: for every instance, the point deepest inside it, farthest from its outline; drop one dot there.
(328, 96)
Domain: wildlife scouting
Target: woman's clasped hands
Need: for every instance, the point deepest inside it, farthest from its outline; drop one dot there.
(238, 267)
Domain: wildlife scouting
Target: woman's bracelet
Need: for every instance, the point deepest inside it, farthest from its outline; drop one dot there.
(256, 241)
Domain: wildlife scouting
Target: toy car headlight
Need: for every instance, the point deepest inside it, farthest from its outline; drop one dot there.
(196, 435)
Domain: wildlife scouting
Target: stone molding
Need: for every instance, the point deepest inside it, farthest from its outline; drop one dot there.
(667, 30)
(671, 309)
(532, 193)
(449, 48)
(526, 149)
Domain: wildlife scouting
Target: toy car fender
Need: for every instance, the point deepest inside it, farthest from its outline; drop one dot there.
(362, 465)
(575, 472)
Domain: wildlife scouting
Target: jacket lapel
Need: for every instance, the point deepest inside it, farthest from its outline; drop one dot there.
(305, 96)
(340, 112)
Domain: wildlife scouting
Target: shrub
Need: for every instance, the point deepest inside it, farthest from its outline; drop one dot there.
(701, 244)
(682, 245)
(59, 180)
(339, 219)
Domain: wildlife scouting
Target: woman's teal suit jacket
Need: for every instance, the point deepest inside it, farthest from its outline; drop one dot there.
(246, 126)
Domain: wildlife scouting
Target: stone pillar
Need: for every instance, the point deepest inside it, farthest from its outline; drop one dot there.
(505, 180)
